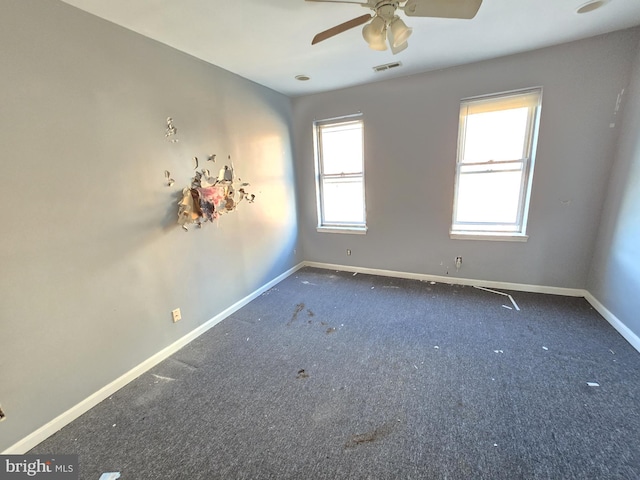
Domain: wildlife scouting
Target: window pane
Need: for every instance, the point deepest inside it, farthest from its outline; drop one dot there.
(343, 200)
(498, 135)
(341, 148)
(489, 197)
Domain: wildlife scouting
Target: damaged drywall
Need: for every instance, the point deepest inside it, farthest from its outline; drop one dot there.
(208, 196)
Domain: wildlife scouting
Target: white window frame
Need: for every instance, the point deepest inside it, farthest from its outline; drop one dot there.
(323, 225)
(494, 230)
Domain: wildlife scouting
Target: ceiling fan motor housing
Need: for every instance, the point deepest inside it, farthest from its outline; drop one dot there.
(386, 10)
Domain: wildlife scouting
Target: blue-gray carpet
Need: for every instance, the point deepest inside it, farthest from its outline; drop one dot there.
(334, 376)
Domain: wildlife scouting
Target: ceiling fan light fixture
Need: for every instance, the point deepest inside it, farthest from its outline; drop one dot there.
(379, 45)
(399, 32)
(375, 34)
(395, 50)
(374, 29)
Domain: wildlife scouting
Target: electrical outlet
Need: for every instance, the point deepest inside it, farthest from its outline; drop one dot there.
(348, 251)
(458, 262)
(2, 415)
(176, 315)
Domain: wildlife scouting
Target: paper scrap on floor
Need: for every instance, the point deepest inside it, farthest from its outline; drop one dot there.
(110, 476)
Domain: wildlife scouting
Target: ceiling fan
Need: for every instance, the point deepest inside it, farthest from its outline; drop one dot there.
(385, 25)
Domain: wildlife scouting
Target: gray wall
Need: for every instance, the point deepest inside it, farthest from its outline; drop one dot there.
(92, 259)
(410, 149)
(615, 273)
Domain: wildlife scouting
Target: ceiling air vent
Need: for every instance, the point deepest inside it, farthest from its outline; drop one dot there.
(388, 66)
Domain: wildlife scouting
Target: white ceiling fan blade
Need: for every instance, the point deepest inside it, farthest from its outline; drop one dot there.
(466, 9)
(338, 1)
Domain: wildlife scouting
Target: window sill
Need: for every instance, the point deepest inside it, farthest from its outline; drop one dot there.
(353, 230)
(490, 236)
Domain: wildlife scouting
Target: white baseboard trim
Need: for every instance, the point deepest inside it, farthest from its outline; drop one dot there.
(622, 329)
(519, 287)
(615, 322)
(105, 392)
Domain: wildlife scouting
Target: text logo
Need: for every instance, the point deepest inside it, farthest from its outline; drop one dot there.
(43, 467)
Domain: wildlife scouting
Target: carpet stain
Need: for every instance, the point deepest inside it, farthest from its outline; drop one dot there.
(330, 330)
(294, 317)
(369, 437)
(302, 374)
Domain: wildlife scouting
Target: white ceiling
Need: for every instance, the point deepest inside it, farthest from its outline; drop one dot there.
(269, 41)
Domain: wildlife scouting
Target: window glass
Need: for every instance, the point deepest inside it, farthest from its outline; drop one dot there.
(343, 200)
(342, 148)
(489, 197)
(497, 135)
